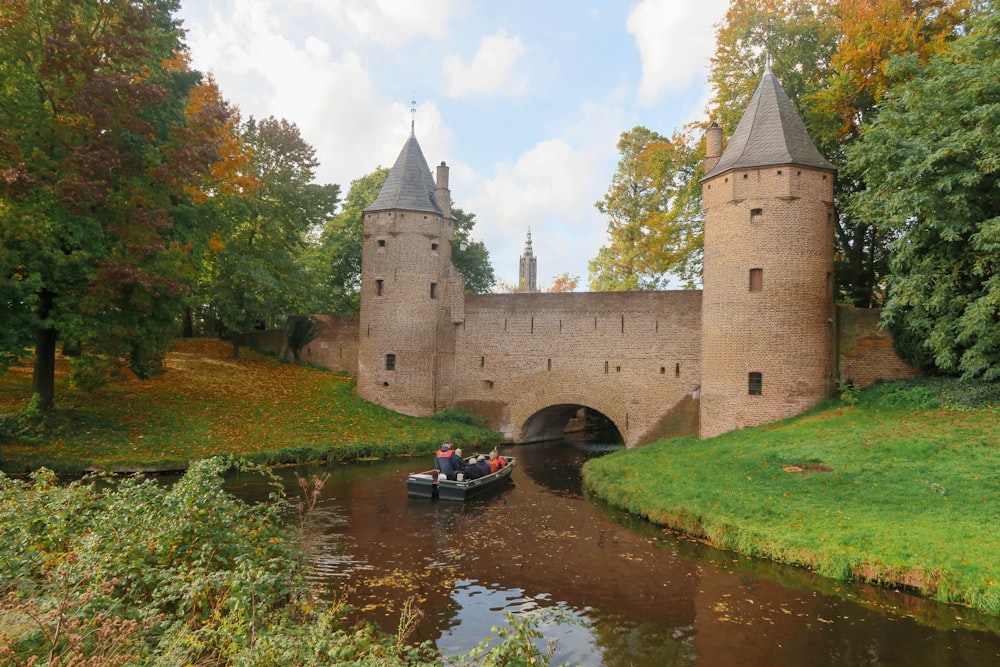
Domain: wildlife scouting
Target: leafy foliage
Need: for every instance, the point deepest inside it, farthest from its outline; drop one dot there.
(472, 260)
(135, 572)
(253, 271)
(96, 153)
(653, 206)
(931, 160)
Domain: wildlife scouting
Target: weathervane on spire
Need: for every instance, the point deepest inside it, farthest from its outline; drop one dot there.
(413, 111)
(767, 44)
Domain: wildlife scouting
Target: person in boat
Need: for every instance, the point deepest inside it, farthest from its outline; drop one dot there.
(447, 462)
(496, 461)
(478, 468)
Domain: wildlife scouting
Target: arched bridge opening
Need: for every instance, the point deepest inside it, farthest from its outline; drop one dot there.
(570, 421)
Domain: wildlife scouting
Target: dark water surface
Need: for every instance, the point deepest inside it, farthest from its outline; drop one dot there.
(643, 596)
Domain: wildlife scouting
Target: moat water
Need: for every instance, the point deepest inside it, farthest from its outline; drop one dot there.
(630, 594)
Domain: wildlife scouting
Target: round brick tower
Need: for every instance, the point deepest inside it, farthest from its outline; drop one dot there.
(406, 339)
(767, 305)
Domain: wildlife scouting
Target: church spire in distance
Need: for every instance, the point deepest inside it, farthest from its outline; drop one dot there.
(527, 279)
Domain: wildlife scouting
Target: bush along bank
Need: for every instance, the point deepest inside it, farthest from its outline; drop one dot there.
(899, 487)
(129, 572)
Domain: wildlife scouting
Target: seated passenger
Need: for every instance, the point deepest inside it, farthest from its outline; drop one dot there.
(484, 465)
(476, 468)
(496, 461)
(447, 463)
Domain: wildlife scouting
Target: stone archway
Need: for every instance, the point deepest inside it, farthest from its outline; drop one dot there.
(552, 423)
(539, 420)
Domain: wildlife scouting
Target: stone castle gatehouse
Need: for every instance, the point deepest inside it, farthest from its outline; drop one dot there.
(758, 344)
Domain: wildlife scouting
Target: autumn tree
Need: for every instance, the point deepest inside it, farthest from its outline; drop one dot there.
(254, 275)
(932, 164)
(654, 214)
(564, 282)
(95, 156)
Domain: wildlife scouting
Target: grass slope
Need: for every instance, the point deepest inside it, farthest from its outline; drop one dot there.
(895, 489)
(208, 403)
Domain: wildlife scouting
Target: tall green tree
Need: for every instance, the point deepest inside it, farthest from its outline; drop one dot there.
(336, 261)
(95, 156)
(932, 162)
(654, 214)
(631, 197)
(471, 257)
(256, 275)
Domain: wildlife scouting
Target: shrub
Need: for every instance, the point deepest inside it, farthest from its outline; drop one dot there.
(460, 415)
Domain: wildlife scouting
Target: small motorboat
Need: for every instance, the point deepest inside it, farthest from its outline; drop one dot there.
(432, 484)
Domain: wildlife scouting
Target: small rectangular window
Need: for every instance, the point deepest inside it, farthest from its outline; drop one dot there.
(390, 362)
(434, 246)
(756, 280)
(434, 290)
(381, 243)
(757, 215)
(378, 287)
(756, 384)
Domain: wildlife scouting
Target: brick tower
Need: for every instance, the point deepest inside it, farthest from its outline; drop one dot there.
(410, 292)
(767, 305)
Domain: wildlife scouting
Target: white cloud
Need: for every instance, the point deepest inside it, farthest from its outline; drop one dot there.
(491, 71)
(387, 22)
(675, 39)
(329, 96)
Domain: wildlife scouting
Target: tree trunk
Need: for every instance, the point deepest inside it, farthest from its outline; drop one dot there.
(188, 323)
(236, 345)
(44, 379)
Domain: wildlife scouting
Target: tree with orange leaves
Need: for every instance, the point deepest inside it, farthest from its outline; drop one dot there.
(96, 160)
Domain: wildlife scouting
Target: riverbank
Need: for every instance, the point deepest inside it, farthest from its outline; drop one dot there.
(901, 488)
(208, 404)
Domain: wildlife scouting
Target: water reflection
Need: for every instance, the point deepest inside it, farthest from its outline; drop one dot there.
(647, 597)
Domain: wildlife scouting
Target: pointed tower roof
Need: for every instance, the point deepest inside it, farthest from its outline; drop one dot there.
(771, 132)
(409, 185)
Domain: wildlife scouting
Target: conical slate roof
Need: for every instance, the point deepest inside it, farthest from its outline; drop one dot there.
(771, 132)
(409, 185)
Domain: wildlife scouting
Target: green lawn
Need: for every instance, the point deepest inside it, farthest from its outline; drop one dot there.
(898, 489)
(207, 404)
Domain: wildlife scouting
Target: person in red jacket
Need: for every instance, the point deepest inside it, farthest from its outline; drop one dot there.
(496, 461)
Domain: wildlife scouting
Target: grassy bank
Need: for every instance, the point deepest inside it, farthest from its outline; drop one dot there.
(208, 404)
(903, 488)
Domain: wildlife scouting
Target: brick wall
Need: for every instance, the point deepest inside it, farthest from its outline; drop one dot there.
(633, 356)
(866, 353)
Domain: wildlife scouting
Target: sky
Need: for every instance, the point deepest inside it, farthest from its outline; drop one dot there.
(524, 100)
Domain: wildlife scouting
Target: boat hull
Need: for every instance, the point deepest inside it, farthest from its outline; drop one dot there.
(429, 484)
